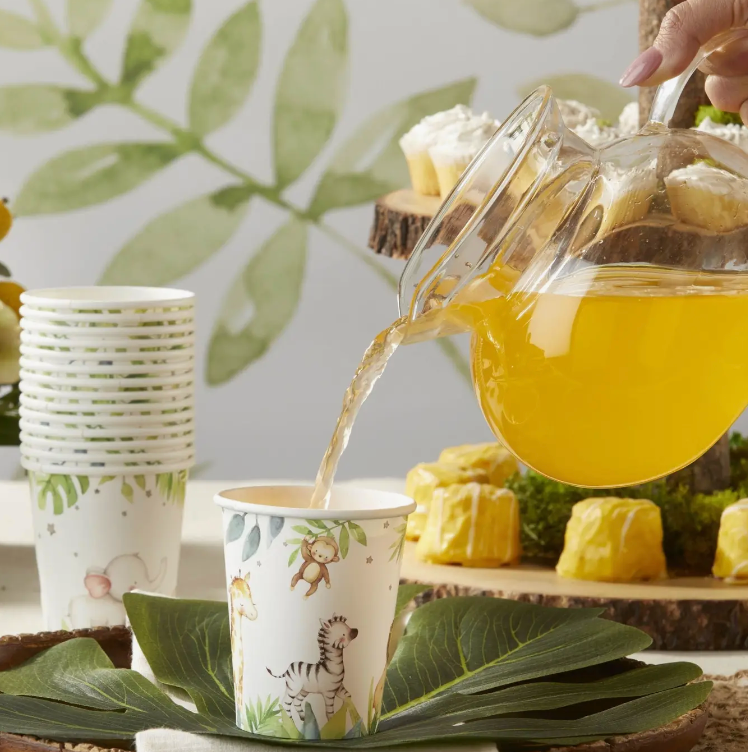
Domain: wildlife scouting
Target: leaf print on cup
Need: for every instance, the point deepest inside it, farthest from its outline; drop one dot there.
(536, 17)
(84, 16)
(18, 33)
(226, 71)
(252, 543)
(310, 90)
(235, 528)
(63, 491)
(39, 108)
(398, 545)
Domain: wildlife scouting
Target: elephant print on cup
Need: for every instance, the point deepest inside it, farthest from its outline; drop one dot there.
(324, 677)
(241, 606)
(102, 605)
(317, 555)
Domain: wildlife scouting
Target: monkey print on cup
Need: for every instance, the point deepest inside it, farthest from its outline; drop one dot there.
(320, 548)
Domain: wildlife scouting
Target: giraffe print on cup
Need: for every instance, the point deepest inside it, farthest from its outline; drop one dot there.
(326, 676)
(241, 607)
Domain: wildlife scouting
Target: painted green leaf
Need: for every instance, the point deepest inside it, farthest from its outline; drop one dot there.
(177, 242)
(370, 163)
(318, 524)
(536, 17)
(157, 30)
(607, 97)
(302, 530)
(406, 593)
(310, 91)
(259, 304)
(252, 543)
(83, 482)
(343, 542)
(491, 645)
(294, 555)
(18, 33)
(226, 71)
(140, 481)
(160, 627)
(274, 528)
(38, 108)
(127, 491)
(85, 15)
(91, 175)
(357, 532)
(235, 528)
(310, 727)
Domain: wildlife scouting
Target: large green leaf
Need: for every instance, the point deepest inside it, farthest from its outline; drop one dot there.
(175, 243)
(406, 593)
(19, 33)
(470, 645)
(202, 667)
(536, 17)
(607, 97)
(36, 108)
(260, 303)
(226, 71)
(157, 30)
(310, 90)
(85, 15)
(370, 163)
(91, 175)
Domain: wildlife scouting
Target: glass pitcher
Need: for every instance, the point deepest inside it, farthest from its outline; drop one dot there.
(606, 290)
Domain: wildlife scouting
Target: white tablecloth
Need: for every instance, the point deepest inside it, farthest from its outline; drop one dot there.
(201, 571)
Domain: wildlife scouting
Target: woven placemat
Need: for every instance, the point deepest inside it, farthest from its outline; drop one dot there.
(727, 730)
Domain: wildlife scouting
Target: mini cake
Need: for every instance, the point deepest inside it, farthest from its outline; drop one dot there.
(597, 134)
(498, 462)
(706, 196)
(420, 138)
(613, 540)
(628, 120)
(732, 132)
(456, 147)
(731, 561)
(424, 479)
(472, 524)
(575, 113)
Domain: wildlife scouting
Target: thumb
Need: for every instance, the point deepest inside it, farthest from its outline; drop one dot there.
(685, 28)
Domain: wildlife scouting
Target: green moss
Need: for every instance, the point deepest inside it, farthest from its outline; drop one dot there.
(690, 523)
(716, 116)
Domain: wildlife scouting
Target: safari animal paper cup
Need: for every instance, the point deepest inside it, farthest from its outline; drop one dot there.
(98, 537)
(311, 600)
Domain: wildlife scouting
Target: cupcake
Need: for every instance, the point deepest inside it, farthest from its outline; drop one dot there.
(731, 561)
(456, 147)
(708, 197)
(420, 138)
(613, 540)
(628, 120)
(471, 524)
(491, 457)
(575, 113)
(732, 132)
(424, 479)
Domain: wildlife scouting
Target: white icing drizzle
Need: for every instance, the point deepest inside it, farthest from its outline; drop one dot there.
(703, 175)
(732, 132)
(426, 133)
(462, 140)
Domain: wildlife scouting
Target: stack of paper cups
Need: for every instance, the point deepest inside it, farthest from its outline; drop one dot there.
(107, 437)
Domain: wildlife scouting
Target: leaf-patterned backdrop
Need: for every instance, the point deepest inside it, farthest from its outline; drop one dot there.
(234, 148)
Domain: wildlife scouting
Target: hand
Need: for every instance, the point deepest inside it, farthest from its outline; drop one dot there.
(686, 28)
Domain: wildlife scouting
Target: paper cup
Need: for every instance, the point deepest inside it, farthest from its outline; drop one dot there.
(74, 333)
(166, 419)
(59, 382)
(102, 369)
(127, 395)
(109, 298)
(76, 408)
(125, 318)
(54, 357)
(85, 432)
(97, 538)
(46, 442)
(113, 344)
(317, 590)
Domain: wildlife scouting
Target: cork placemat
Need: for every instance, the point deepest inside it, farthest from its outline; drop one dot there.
(727, 729)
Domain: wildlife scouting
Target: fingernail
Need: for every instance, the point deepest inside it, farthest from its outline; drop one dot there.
(642, 68)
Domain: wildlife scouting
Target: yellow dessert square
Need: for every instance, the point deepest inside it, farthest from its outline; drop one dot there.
(424, 479)
(731, 561)
(448, 173)
(472, 524)
(613, 540)
(499, 463)
(423, 175)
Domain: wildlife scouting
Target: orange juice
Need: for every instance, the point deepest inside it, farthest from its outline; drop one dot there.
(614, 375)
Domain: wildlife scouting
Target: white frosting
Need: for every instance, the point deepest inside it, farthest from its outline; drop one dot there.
(575, 113)
(597, 135)
(426, 133)
(735, 134)
(702, 175)
(461, 141)
(628, 121)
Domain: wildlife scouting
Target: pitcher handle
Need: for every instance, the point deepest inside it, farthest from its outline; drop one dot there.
(667, 95)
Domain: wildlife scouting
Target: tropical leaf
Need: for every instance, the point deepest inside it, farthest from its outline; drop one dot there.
(127, 491)
(605, 96)
(294, 555)
(38, 108)
(275, 526)
(370, 163)
(85, 15)
(302, 530)
(157, 30)
(488, 645)
(536, 17)
(310, 91)
(398, 546)
(235, 528)
(174, 244)
(357, 532)
(91, 175)
(310, 727)
(405, 595)
(140, 481)
(226, 71)
(343, 542)
(19, 33)
(260, 303)
(252, 543)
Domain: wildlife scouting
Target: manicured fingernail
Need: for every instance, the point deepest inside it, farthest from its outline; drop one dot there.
(642, 68)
